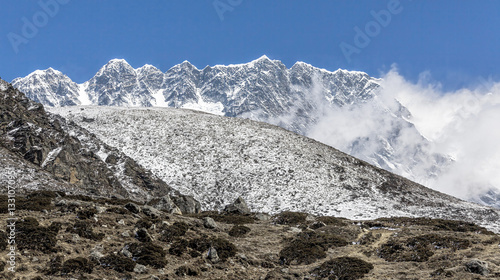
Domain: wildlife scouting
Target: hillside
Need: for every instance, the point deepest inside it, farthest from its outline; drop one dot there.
(68, 237)
(216, 159)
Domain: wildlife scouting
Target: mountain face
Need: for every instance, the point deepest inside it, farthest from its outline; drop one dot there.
(43, 151)
(217, 159)
(297, 99)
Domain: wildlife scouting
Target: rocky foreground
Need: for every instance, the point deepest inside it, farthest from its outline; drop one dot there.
(62, 236)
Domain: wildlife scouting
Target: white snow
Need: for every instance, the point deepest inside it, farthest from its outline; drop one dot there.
(83, 96)
(208, 107)
(51, 156)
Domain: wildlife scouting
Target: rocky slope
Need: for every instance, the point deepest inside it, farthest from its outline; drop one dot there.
(69, 237)
(35, 144)
(217, 159)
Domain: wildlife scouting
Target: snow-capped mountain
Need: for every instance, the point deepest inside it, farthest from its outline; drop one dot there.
(216, 159)
(264, 90)
(51, 88)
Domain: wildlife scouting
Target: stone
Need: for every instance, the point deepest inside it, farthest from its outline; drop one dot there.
(151, 212)
(164, 203)
(212, 255)
(310, 218)
(141, 269)
(143, 235)
(263, 217)
(187, 204)
(477, 267)
(124, 251)
(317, 225)
(125, 234)
(209, 223)
(75, 238)
(239, 206)
(132, 207)
(100, 209)
(96, 255)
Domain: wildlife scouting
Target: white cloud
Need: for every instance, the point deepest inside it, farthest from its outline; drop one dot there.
(463, 124)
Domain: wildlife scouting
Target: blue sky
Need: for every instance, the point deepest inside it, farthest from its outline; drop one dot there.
(457, 41)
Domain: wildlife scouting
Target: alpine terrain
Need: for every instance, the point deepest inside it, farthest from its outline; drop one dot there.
(86, 205)
(264, 90)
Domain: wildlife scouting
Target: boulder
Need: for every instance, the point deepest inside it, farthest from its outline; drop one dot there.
(187, 204)
(239, 206)
(477, 267)
(143, 235)
(165, 203)
(263, 217)
(140, 269)
(209, 223)
(212, 255)
(132, 207)
(151, 212)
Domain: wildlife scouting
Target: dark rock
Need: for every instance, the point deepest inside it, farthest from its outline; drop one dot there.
(164, 203)
(187, 204)
(477, 267)
(143, 235)
(151, 212)
(132, 207)
(239, 206)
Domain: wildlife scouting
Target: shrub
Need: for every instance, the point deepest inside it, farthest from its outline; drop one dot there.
(80, 197)
(144, 223)
(343, 268)
(118, 210)
(86, 214)
(178, 247)
(176, 230)
(37, 203)
(78, 264)
(32, 236)
(437, 224)
(238, 231)
(307, 247)
(348, 232)
(45, 193)
(84, 229)
(148, 254)
(301, 252)
(3, 240)
(420, 248)
(290, 218)
(187, 271)
(226, 218)
(54, 265)
(331, 221)
(118, 263)
(225, 249)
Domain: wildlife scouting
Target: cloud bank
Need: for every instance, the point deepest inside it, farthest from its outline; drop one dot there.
(462, 125)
